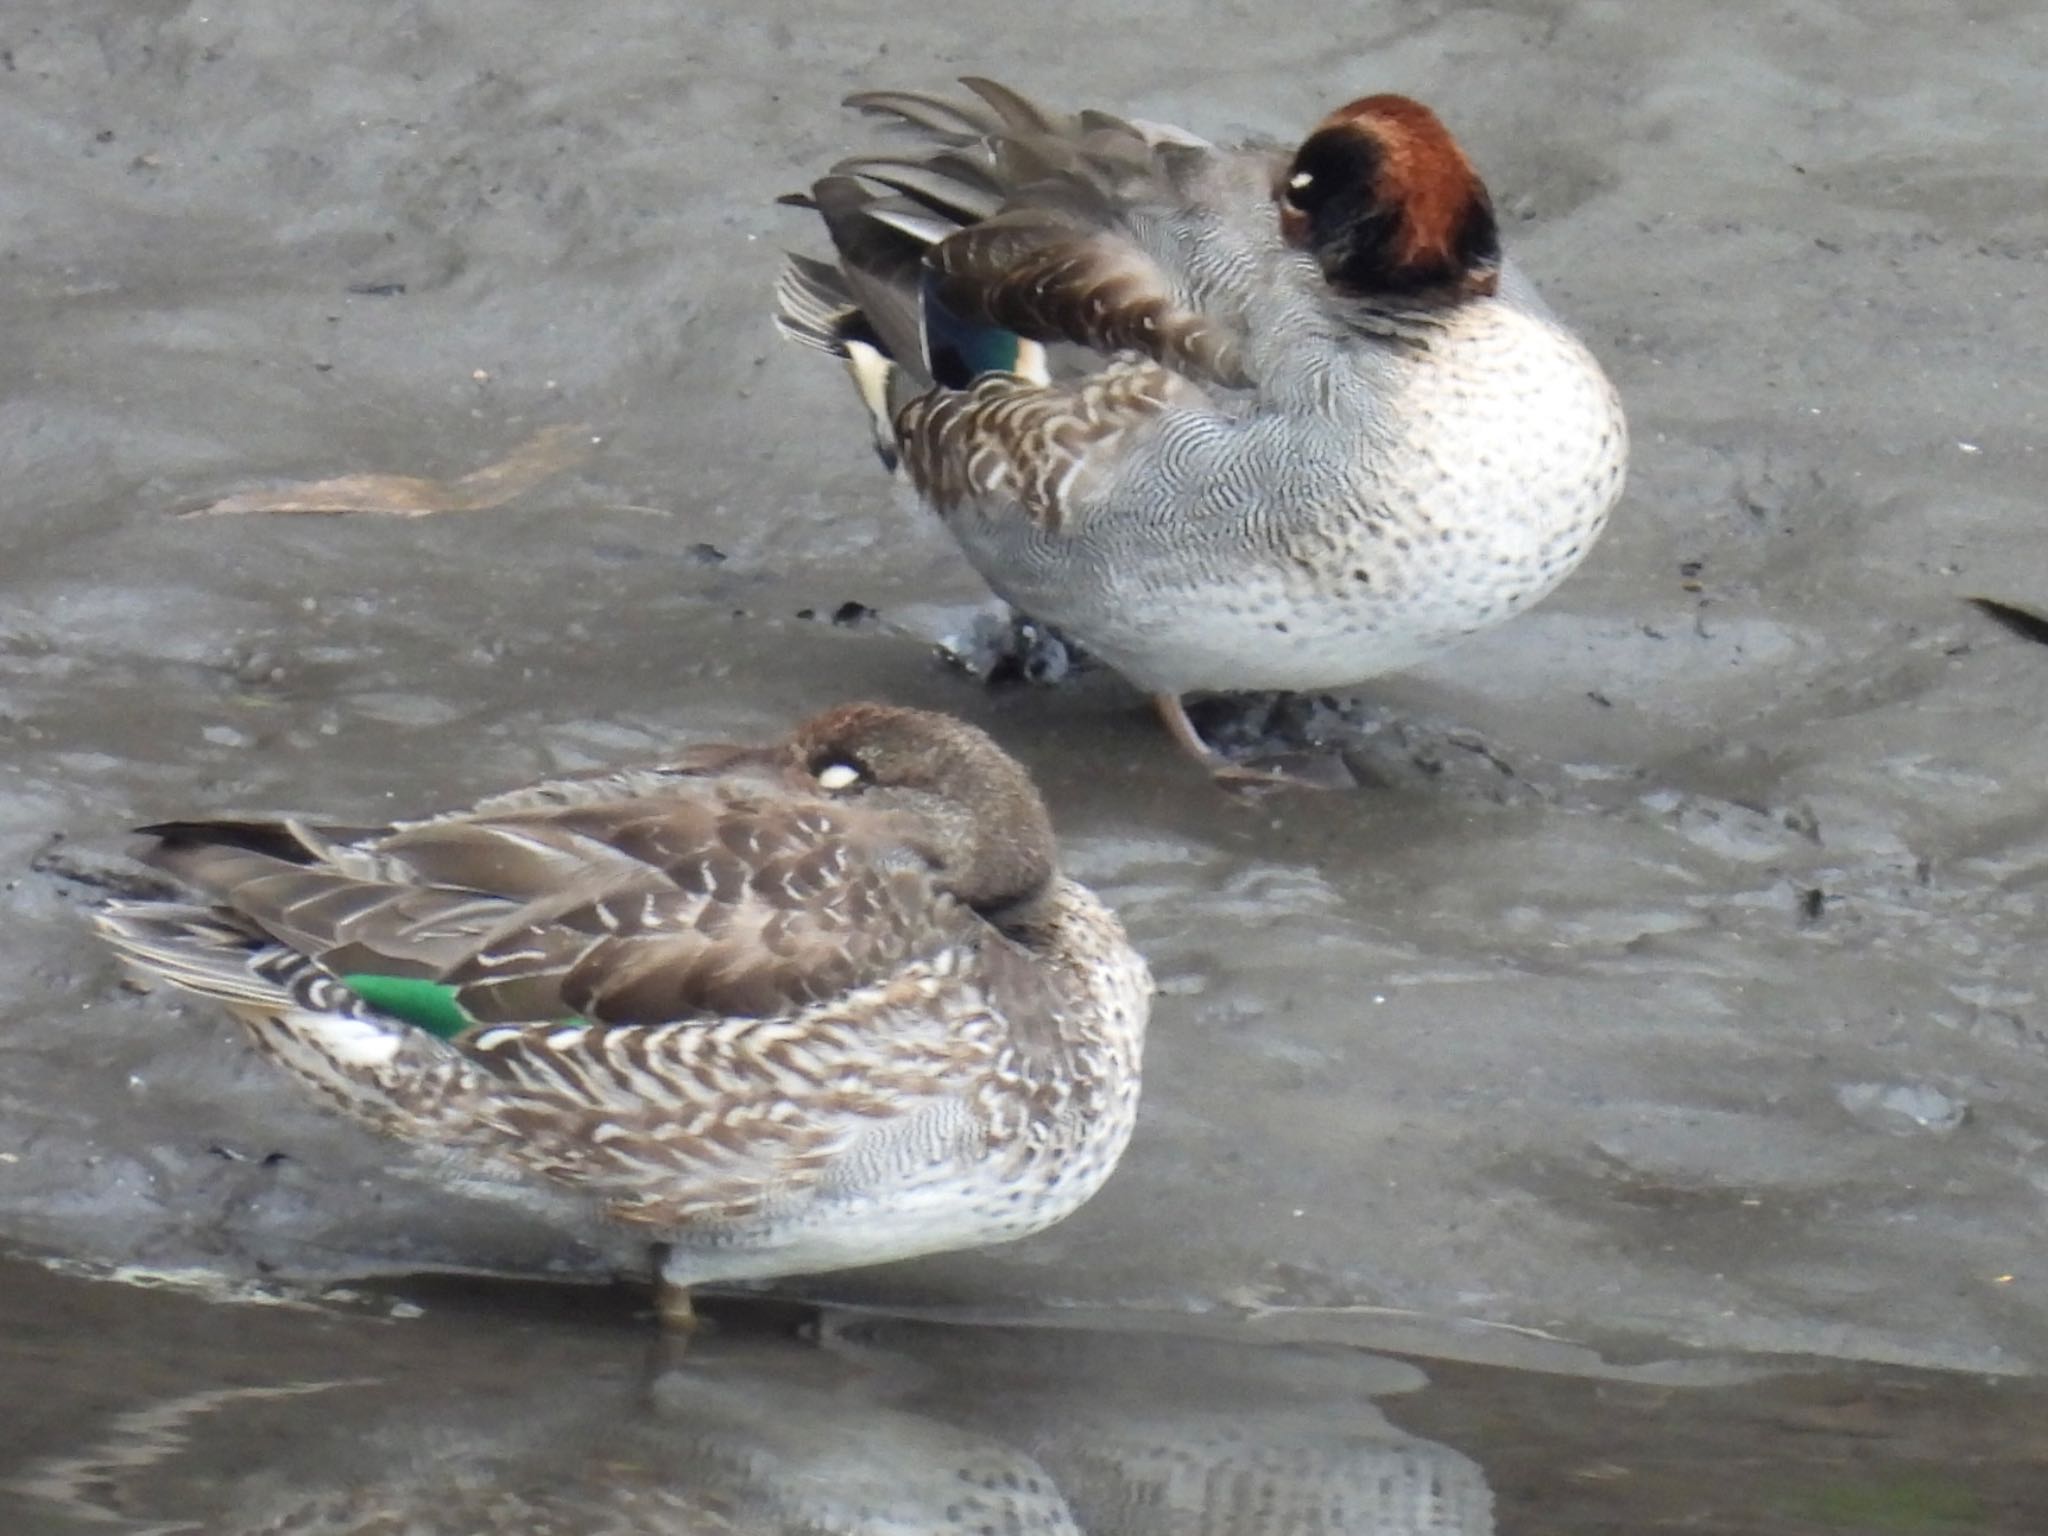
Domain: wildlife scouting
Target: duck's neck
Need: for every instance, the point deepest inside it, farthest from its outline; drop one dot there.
(1412, 325)
(1078, 945)
(1304, 344)
(1032, 921)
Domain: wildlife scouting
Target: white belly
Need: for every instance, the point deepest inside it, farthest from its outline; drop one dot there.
(1286, 554)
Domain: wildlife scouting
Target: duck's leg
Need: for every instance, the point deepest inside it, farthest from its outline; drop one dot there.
(1320, 772)
(672, 1304)
(1174, 716)
(672, 1295)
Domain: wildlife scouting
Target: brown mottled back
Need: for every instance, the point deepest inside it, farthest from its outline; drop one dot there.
(654, 896)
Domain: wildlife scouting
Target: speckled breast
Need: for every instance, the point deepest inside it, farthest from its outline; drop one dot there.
(1489, 471)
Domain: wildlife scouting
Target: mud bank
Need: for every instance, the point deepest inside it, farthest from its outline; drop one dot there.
(1680, 974)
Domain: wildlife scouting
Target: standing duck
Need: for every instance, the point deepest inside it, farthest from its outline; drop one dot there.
(783, 1010)
(1320, 427)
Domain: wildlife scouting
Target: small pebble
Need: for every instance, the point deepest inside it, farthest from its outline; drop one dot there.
(1903, 1108)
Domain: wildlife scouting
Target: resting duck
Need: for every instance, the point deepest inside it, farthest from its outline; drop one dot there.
(783, 1009)
(1321, 429)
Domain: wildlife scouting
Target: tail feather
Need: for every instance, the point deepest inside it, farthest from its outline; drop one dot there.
(289, 839)
(998, 110)
(193, 948)
(307, 1019)
(1017, 113)
(910, 218)
(881, 265)
(954, 121)
(881, 294)
(878, 308)
(203, 950)
(814, 308)
(950, 184)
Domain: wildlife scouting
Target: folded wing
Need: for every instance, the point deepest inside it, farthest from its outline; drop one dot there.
(1087, 229)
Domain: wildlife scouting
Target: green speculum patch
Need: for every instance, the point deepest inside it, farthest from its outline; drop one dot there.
(428, 1005)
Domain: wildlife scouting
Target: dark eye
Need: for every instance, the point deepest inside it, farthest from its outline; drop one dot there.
(1300, 189)
(837, 773)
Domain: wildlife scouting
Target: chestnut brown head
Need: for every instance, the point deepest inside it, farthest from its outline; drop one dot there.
(1387, 204)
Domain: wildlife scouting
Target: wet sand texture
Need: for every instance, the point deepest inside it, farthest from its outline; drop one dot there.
(1683, 974)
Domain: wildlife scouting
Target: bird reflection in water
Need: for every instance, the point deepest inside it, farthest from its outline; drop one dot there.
(854, 1425)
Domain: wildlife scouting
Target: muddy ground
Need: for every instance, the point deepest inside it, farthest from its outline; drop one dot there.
(1680, 971)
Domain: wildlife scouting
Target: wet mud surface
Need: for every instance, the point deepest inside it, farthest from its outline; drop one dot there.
(488, 1412)
(1678, 972)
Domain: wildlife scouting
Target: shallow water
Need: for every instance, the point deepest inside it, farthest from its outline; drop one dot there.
(479, 1410)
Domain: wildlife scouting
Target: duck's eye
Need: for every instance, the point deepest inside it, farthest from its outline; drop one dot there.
(1299, 182)
(838, 774)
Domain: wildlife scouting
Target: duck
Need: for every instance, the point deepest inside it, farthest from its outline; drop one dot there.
(1235, 418)
(777, 1010)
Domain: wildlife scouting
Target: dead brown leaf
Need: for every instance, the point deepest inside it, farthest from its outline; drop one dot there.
(545, 454)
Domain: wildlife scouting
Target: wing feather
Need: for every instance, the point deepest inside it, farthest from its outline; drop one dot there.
(1039, 447)
(1089, 229)
(687, 1121)
(701, 901)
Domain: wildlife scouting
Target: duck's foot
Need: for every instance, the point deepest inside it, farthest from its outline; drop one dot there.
(1007, 649)
(1291, 770)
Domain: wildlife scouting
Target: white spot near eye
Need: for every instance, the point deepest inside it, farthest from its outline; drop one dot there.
(1301, 179)
(838, 776)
